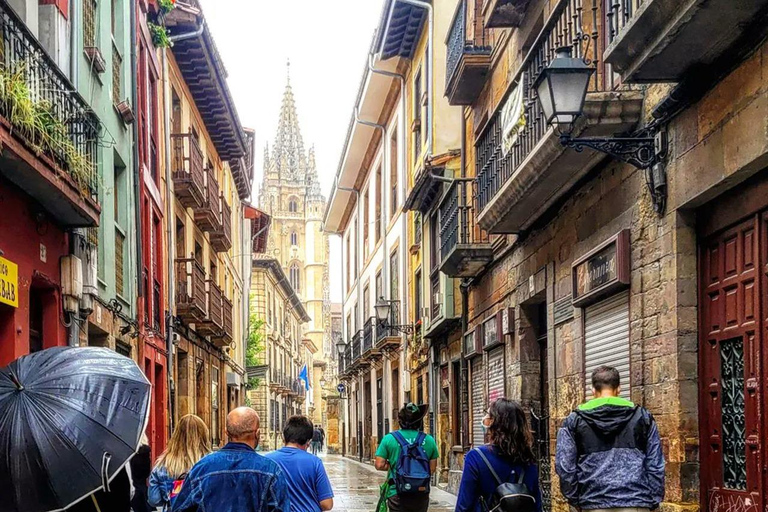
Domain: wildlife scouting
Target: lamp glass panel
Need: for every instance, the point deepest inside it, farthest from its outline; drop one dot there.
(568, 91)
(382, 311)
(545, 97)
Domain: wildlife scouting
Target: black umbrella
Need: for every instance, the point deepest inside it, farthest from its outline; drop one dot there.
(70, 419)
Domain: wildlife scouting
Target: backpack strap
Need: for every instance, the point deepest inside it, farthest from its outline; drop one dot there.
(487, 463)
(521, 480)
(420, 439)
(400, 439)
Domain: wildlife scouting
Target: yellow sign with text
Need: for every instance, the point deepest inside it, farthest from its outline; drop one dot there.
(9, 283)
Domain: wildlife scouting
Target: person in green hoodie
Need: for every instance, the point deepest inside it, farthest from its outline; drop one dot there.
(609, 453)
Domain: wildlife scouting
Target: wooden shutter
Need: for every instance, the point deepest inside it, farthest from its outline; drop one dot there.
(606, 338)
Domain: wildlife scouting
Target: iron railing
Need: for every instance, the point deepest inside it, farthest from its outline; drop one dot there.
(618, 14)
(457, 218)
(462, 42)
(357, 345)
(46, 111)
(499, 155)
(368, 330)
(385, 329)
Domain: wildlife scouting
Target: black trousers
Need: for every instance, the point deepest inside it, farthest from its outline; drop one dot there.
(408, 503)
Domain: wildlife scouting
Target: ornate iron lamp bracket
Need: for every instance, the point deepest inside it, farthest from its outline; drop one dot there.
(637, 151)
(644, 152)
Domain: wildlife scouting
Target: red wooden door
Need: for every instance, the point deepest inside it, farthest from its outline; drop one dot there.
(154, 369)
(730, 369)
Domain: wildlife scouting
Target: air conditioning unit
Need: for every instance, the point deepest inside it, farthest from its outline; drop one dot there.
(71, 282)
(176, 338)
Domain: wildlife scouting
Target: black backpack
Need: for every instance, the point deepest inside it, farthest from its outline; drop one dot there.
(508, 496)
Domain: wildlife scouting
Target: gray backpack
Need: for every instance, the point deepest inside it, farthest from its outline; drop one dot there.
(508, 496)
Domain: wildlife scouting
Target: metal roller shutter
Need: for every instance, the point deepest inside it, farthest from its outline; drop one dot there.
(606, 338)
(495, 374)
(478, 401)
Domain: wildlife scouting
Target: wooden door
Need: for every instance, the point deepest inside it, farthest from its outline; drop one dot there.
(730, 374)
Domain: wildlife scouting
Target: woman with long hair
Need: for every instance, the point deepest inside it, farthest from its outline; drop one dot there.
(508, 457)
(189, 443)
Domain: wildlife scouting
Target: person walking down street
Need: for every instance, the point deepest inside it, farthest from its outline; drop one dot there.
(235, 478)
(507, 458)
(609, 453)
(315, 443)
(410, 458)
(190, 442)
(322, 437)
(308, 484)
(141, 467)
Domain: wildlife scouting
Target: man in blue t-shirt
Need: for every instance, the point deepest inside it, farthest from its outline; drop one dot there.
(308, 484)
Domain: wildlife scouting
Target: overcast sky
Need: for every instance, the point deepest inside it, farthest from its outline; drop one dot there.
(326, 42)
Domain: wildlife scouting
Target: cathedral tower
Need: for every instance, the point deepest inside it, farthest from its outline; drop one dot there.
(290, 193)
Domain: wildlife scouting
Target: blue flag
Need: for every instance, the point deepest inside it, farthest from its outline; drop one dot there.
(303, 376)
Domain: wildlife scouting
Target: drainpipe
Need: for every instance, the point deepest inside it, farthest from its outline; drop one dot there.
(136, 163)
(189, 35)
(170, 222)
(74, 39)
(464, 287)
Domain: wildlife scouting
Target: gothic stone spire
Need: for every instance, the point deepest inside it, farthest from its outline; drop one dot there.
(288, 152)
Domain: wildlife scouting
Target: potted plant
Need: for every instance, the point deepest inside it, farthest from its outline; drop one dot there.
(160, 35)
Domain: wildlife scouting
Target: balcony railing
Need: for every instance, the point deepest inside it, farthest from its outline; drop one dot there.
(619, 14)
(464, 247)
(506, 143)
(190, 290)
(221, 238)
(368, 332)
(213, 324)
(44, 111)
(188, 172)
(208, 216)
(468, 56)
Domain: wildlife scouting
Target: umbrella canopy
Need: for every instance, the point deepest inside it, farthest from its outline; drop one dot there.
(70, 419)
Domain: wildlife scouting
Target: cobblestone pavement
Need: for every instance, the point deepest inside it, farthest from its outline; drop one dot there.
(356, 487)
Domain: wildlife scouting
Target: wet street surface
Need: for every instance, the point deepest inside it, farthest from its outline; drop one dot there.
(356, 487)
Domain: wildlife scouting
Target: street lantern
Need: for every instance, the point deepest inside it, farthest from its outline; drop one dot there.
(562, 87)
(382, 310)
(562, 90)
(341, 346)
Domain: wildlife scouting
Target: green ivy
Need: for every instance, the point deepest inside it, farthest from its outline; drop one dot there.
(160, 35)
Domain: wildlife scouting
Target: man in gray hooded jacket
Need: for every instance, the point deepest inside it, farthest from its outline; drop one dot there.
(609, 453)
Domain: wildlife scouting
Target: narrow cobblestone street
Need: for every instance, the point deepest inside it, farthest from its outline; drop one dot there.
(356, 487)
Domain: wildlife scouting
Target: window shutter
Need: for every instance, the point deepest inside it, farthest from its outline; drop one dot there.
(606, 339)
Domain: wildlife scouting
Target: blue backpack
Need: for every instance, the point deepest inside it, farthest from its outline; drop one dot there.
(412, 473)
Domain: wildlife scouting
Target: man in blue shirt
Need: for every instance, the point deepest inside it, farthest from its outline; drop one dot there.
(235, 478)
(308, 484)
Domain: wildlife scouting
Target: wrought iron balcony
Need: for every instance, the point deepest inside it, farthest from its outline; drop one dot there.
(208, 215)
(188, 171)
(464, 247)
(369, 329)
(663, 41)
(227, 329)
(191, 303)
(468, 57)
(221, 238)
(49, 133)
(522, 169)
(388, 337)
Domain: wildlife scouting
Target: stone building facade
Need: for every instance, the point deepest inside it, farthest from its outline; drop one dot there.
(580, 259)
(290, 194)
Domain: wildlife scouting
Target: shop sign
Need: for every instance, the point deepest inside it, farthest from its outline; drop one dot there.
(9, 283)
(603, 271)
